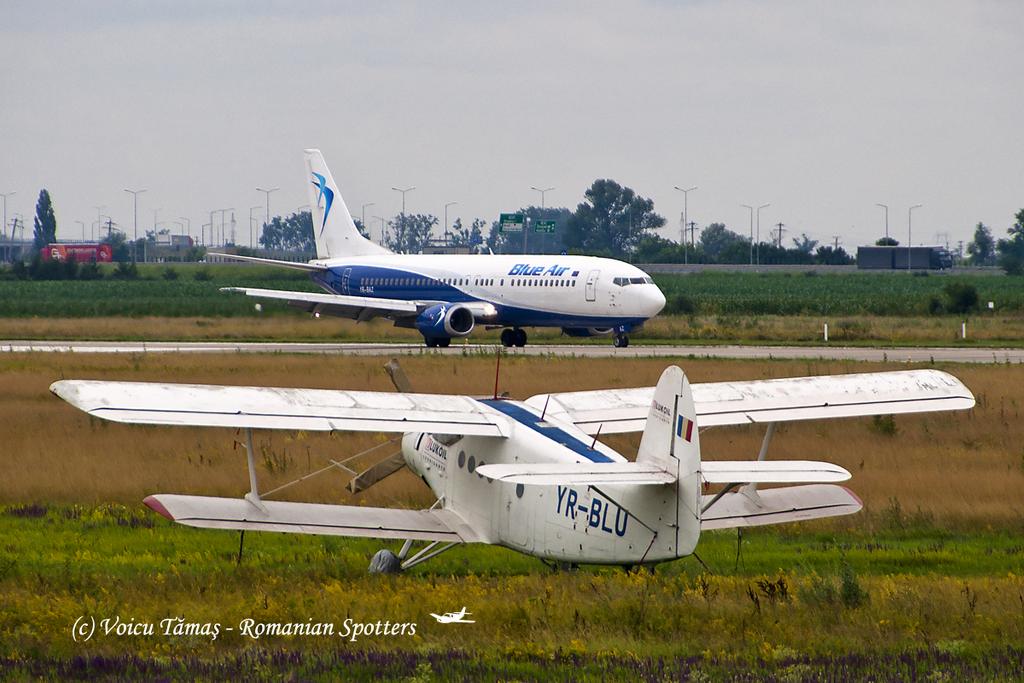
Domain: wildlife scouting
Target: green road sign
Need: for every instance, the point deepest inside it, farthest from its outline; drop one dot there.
(511, 222)
(544, 226)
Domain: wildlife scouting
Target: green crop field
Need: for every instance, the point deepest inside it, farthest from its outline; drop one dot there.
(751, 294)
(883, 294)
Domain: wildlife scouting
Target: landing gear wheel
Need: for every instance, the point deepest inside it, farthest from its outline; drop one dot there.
(443, 342)
(385, 562)
(508, 337)
(519, 338)
(621, 341)
(430, 341)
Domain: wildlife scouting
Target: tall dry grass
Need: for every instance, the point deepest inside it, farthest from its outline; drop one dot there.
(942, 330)
(956, 469)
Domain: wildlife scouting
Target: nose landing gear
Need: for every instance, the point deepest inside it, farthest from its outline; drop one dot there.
(621, 341)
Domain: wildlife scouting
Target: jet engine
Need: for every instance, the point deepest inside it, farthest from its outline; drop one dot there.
(445, 320)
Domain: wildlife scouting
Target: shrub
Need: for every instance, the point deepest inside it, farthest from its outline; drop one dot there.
(961, 297)
(90, 271)
(169, 274)
(680, 303)
(126, 270)
(202, 275)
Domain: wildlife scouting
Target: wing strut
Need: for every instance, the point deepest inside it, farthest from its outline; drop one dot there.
(254, 492)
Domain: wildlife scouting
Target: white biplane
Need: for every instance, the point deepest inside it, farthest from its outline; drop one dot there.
(532, 475)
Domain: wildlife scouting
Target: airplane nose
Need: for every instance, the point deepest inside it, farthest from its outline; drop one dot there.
(655, 300)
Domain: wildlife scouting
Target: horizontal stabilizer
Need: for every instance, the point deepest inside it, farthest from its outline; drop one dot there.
(613, 411)
(297, 265)
(208, 405)
(771, 472)
(577, 474)
(312, 518)
(778, 506)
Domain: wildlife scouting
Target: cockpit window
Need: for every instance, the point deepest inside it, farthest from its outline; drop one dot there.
(621, 281)
(637, 280)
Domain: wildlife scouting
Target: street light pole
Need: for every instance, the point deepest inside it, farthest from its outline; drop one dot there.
(759, 231)
(408, 189)
(267, 192)
(383, 223)
(910, 214)
(252, 243)
(542, 191)
(364, 217)
(188, 226)
(686, 197)
(135, 208)
(446, 221)
(5, 195)
(886, 207)
(751, 209)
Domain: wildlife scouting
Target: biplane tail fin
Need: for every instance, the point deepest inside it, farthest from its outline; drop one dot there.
(671, 443)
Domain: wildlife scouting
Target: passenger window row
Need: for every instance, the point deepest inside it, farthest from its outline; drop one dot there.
(479, 282)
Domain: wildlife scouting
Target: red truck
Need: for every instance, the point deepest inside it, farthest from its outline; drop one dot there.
(82, 253)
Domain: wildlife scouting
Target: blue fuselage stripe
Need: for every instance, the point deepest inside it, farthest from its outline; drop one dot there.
(528, 419)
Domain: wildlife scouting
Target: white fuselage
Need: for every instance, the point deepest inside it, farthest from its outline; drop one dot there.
(620, 524)
(576, 292)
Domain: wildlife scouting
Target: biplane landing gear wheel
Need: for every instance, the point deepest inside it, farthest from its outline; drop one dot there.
(621, 341)
(385, 562)
(508, 337)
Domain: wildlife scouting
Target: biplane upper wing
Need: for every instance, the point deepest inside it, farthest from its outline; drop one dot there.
(204, 405)
(613, 411)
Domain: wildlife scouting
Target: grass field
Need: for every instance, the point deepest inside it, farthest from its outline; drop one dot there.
(927, 581)
(982, 331)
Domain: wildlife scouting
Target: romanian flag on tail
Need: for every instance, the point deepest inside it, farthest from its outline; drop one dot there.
(684, 428)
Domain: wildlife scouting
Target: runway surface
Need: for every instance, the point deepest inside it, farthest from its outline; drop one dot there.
(914, 355)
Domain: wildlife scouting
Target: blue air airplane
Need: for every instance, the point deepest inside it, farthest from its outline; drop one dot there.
(447, 295)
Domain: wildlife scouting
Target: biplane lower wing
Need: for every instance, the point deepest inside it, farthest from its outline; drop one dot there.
(312, 518)
(778, 506)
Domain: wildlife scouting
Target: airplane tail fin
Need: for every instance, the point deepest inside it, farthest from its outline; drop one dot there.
(334, 230)
(671, 441)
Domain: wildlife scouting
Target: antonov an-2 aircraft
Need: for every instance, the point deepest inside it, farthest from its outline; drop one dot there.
(445, 296)
(532, 475)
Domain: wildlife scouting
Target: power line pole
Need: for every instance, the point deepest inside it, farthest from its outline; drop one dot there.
(781, 226)
(835, 242)
(5, 195)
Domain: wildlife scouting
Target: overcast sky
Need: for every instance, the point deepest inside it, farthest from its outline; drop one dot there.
(820, 108)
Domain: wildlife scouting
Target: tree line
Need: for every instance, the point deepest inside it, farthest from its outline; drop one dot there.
(612, 220)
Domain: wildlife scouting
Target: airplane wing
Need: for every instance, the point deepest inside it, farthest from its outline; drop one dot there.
(205, 405)
(774, 400)
(312, 518)
(771, 471)
(778, 506)
(345, 306)
(577, 474)
(359, 307)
